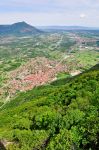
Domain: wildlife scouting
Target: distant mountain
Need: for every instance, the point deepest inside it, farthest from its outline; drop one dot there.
(20, 28)
(62, 28)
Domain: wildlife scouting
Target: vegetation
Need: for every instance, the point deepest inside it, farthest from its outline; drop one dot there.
(62, 117)
(87, 58)
(63, 75)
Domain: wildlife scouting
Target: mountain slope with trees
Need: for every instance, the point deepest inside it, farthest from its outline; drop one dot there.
(62, 117)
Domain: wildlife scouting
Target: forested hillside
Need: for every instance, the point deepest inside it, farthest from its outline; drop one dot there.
(61, 117)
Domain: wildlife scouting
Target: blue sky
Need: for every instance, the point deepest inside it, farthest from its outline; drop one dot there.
(50, 12)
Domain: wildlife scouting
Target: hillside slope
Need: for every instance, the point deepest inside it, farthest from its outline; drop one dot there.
(51, 117)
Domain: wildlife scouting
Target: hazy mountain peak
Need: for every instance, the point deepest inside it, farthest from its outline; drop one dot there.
(18, 28)
(23, 23)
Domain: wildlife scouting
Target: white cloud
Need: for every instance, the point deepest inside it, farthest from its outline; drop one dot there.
(82, 15)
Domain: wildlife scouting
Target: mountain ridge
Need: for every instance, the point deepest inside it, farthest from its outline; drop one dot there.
(68, 28)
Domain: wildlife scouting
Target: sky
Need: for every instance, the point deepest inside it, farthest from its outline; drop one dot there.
(50, 12)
